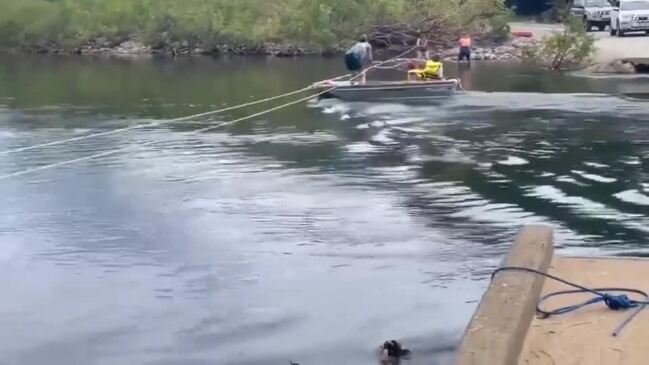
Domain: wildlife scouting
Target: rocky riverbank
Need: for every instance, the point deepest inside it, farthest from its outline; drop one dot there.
(137, 48)
(513, 49)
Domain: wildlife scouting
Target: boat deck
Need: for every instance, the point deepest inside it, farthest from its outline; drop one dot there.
(379, 83)
(505, 330)
(388, 90)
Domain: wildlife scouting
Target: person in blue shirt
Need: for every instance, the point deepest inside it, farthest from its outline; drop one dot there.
(358, 57)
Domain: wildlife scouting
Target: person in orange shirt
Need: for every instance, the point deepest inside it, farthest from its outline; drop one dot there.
(465, 48)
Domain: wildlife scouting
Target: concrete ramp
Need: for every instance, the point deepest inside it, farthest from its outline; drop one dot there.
(504, 330)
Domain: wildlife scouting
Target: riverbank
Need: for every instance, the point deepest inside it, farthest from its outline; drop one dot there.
(137, 48)
(512, 49)
(284, 28)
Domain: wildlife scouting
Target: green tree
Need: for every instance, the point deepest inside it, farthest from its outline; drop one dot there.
(323, 23)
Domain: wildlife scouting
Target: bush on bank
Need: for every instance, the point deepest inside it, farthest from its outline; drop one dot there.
(71, 24)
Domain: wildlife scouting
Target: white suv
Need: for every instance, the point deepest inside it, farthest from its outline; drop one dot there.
(594, 13)
(630, 16)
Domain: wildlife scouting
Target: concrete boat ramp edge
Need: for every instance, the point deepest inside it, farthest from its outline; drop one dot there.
(497, 331)
(505, 331)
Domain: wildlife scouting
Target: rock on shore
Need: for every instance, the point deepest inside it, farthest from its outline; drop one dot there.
(511, 50)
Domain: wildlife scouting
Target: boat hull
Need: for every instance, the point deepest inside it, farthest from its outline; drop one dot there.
(387, 91)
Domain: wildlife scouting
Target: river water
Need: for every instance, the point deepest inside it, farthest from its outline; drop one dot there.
(312, 234)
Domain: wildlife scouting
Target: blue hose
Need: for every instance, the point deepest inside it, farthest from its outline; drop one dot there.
(613, 301)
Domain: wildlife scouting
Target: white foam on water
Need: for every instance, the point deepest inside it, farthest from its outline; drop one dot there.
(287, 138)
(377, 124)
(7, 134)
(594, 177)
(596, 165)
(568, 179)
(442, 138)
(383, 137)
(542, 152)
(397, 173)
(505, 149)
(336, 108)
(587, 207)
(478, 209)
(363, 126)
(631, 160)
(495, 175)
(513, 161)
(499, 214)
(404, 121)
(345, 117)
(385, 108)
(632, 196)
(547, 174)
(450, 158)
(410, 130)
(361, 147)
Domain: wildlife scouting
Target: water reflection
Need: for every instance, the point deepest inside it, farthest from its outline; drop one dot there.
(312, 234)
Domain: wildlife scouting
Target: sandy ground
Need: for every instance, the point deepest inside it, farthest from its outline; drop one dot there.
(584, 336)
(614, 48)
(609, 48)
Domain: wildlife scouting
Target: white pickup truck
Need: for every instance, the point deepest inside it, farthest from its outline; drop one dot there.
(630, 16)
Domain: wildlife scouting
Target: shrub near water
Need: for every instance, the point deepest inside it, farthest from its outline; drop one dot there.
(572, 47)
(322, 23)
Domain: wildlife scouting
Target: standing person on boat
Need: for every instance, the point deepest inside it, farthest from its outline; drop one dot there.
(433, 70)
(358, 57)
(422, 46)
(465, 43)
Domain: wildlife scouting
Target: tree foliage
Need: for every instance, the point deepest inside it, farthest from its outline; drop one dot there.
(572, 47)
(310, 22)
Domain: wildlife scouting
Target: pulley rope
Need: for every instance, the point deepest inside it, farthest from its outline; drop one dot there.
(128, 148)
(111, 152)
(153, 124)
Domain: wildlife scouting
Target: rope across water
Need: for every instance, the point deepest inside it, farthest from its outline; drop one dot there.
(189, 117)
(149, 143)
(153, 124)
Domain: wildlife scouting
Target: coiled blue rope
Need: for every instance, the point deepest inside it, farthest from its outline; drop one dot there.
(613, 301)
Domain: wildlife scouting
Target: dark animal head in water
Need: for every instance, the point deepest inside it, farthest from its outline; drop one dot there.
(392, 351)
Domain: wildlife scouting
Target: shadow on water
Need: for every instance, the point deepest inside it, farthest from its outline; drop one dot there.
(332, 226)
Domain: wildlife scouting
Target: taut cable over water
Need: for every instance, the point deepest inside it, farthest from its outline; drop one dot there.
(112, 152)
(189, 117)
(153, 124)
